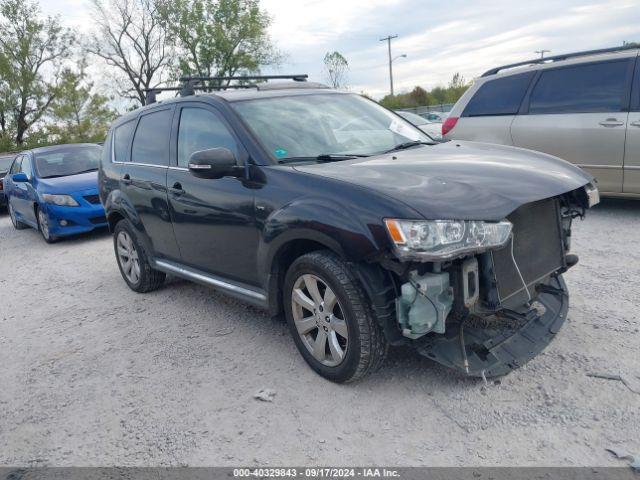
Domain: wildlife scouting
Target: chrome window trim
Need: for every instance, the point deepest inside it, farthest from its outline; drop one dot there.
(138, 164)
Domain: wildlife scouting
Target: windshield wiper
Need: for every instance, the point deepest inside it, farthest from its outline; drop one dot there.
(324, 157)
(405, 145)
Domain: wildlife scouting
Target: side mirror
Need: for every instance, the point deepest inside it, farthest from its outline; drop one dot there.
(214, 163)
(20, 177)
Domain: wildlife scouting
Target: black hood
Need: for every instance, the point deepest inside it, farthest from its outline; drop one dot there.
(460, 180)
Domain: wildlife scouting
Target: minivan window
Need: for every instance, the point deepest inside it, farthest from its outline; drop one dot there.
(151, 140)
(121, 141)
(501, 96)
(596, 87)
(201, 130)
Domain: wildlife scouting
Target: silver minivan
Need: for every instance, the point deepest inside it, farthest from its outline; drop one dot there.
(583, 107)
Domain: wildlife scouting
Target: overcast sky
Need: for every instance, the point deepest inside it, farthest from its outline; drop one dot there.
(439, 37)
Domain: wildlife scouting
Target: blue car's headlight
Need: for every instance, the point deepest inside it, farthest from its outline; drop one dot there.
(61, 200)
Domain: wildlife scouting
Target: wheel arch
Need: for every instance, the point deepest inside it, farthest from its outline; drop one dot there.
(285, 254)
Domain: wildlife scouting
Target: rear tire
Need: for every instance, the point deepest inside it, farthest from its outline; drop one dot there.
(17, 224)
(331, 319)
(134, 261)
(43, 226)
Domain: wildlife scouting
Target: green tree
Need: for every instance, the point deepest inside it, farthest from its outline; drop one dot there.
(32, 50)
(419, 97)
(77, 115)
(219, 37)
(335, 69)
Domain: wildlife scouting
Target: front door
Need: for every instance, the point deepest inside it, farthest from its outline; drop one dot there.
(213, 219)
(23, 195)
(578, 113)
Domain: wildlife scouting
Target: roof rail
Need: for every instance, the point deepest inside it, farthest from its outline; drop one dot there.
(557, 58)
(297, 78)
(191, 84)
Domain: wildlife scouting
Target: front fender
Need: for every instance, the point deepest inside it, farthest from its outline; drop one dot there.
(320, 220)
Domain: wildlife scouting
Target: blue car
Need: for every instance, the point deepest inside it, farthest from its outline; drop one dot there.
(55, 190)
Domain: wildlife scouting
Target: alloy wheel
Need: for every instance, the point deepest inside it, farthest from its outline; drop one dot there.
(128, 257)
(319, 320)
(43, 222)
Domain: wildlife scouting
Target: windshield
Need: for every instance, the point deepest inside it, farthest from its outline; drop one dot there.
(312, 125)
(68, 161)
(413, 118)
(5, 162)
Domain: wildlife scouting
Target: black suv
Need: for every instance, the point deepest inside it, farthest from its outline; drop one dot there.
(339, 213)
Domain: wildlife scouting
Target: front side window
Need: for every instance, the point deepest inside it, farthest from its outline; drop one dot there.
(306, 126)
(15, 168)
(26, 167)
(151, 140)
(65, 161)
(501, 96)
(201, 129)
(121, 140)
(598, 87)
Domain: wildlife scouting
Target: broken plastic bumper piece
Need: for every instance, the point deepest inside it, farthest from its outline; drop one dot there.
(500, 343)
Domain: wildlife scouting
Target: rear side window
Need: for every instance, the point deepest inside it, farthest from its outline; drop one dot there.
(499, 97)
(597, 87)
(201, 130)
(121, 141)
(151, 141)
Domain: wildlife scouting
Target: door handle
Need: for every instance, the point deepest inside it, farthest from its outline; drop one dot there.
(636, 123)
(612, 122)
(126, 179)
(177, 189)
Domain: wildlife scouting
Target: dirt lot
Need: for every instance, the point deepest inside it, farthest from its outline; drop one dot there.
(94, 374)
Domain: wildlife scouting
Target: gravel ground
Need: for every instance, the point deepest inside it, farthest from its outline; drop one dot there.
(92, 373)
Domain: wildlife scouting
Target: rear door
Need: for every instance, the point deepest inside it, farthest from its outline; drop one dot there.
(631, 183)
(489, 114)
(213, 219)
(579, 113)
(144, 177)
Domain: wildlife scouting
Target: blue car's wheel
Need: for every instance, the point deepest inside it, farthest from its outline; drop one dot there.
(43, 226)
(17, 224)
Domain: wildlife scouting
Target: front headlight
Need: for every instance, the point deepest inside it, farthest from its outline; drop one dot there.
(61, 200)
(443, 239)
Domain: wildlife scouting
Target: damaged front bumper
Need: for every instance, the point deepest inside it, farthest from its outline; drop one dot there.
(496, 344)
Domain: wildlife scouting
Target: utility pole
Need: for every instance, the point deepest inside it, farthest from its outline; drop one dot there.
(388, 40)
(542, 52)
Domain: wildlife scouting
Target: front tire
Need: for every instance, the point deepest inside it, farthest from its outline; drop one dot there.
(133, 261)
(17, 224)
(330, 318)
(43, 226)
